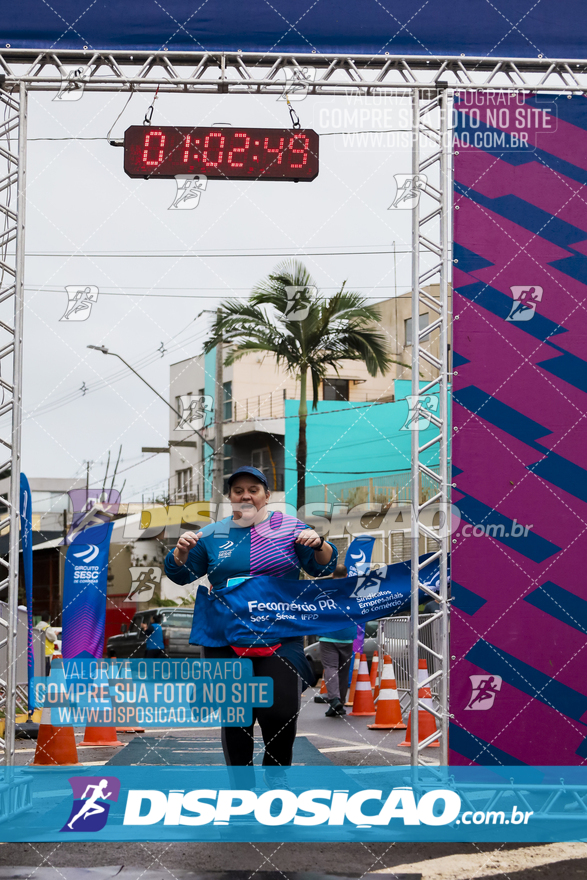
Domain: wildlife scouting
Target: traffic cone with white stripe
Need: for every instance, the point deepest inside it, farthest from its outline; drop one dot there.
(55, 745)
(363, 702)
(374, 670)
(426, 720)
(389, 713)
(351, 696)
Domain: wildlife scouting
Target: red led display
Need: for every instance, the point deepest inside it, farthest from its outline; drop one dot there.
(221, 153)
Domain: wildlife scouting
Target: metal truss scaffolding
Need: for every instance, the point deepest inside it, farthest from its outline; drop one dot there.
(263, 73)
(13, 132)
(429, 404)
(429, 81)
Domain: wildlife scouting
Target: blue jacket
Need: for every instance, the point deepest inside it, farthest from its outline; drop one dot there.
(227, 550)
(154, 637)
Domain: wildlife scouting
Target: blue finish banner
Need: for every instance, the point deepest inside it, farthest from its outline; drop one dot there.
(26, 542)
(84, 592)
(289, 804)
(394, 27)
(261, 610)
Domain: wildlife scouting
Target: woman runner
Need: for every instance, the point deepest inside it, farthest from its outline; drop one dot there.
(256, 541)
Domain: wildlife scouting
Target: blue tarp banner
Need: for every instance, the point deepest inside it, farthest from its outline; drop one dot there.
(84, 592)
(518, 28)
(261, 610)
(358, 561)
(26, 541)
(298, 804)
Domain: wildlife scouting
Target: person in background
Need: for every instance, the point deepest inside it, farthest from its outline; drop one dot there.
(336, 651)
(155, 645)
(50, 638)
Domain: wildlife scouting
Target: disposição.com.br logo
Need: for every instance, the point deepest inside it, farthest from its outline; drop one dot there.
(91, 796)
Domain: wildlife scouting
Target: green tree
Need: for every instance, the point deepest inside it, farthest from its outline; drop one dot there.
(309, 339)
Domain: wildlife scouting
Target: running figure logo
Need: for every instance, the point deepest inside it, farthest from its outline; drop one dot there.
(299, 300)
(189, 190)
(90, 805)
(144, 581)
(421, 409)
(524, 304)
(369, 585)
(297, 83)
(80, 300)
(408, 190)
(192, 410)
(484, 690)
(72, 84)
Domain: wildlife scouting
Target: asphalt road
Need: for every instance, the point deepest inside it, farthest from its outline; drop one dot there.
(343, 740)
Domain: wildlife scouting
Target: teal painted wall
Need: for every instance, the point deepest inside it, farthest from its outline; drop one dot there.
(349, 442)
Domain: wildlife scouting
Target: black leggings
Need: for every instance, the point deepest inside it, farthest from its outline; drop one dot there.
(278, 722)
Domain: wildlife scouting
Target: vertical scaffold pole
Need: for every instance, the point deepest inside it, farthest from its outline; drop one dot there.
(444, 414)
(415, 438)
(14, 500)
(431, 191)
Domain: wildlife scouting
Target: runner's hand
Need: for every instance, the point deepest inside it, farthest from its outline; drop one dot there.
(184, 545)
(309, 538)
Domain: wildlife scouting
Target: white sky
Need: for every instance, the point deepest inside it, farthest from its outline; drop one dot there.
(80, 200)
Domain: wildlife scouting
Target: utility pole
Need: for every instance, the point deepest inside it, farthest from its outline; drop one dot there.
(218, 460)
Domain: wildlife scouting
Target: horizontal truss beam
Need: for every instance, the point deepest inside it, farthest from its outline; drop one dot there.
(255, 73)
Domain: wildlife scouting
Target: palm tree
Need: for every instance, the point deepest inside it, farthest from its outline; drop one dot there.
(321, 335)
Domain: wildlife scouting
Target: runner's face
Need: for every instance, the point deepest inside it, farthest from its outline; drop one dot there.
(248, 497)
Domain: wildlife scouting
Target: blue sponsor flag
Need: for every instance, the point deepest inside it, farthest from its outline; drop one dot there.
(260, 611)
(26, 541)
(84, 592)
(358, 561)
(358, 556)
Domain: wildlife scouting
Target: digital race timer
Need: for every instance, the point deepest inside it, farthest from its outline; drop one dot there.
(221, 153)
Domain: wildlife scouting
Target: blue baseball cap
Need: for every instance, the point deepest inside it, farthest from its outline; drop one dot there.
(252, 472)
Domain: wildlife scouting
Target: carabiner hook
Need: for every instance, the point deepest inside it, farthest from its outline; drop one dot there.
(294, 116)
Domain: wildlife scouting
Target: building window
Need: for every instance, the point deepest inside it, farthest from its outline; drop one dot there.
(227, 401)
(227, 459)
(183, 480)
(424, 321)
(336, 389)
(263, 461)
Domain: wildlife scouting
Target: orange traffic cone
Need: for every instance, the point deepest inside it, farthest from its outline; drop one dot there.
(100, 736)
(351, 695)
(323, 688)
(374, 669)
(363, 703)
(426, 720)
(389, 713)
(55, 745)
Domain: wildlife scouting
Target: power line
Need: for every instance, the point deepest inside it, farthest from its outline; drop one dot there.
(105, 291)
(121, 255)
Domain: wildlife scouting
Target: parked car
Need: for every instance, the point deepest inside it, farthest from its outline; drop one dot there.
(176, 624)
(312, 652)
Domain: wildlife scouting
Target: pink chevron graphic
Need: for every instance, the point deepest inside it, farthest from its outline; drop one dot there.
(540, 218)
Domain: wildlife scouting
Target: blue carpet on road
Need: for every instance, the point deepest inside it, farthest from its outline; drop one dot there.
(151, 750)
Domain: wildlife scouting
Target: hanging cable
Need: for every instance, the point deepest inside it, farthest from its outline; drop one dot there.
(113, 143)
(149, 113)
